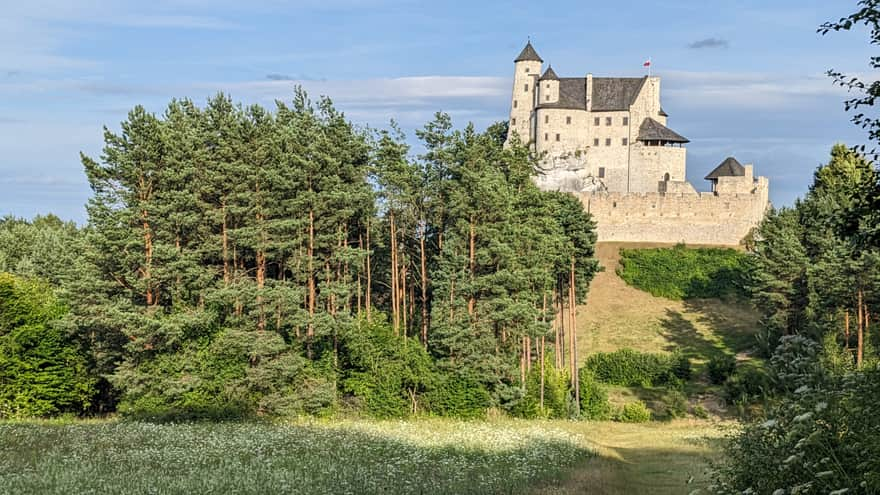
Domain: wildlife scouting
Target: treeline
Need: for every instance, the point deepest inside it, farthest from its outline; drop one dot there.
(816, 281)
(240, 261)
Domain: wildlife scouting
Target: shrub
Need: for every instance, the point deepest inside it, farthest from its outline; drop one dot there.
(685, 273)
(556, 394)
(631, 368)
(824, 438)
(594, 397)
(720, 367)
(458, 395)
(634, 412)
(747, 384)
(388, 374)
(42, 370)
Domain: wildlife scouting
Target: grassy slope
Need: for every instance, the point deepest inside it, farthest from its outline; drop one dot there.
(617, 315)
(658, 457)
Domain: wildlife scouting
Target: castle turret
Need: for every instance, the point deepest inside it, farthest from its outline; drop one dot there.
(548, 91)
(527, 69)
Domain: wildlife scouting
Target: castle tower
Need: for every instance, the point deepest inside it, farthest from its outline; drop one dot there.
(527, 69)
(548, 91)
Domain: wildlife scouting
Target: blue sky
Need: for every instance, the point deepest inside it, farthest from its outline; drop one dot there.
(739, 78)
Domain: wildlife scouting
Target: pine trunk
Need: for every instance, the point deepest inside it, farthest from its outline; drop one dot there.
(472, 257)
(424, 266)
(573, 331)
(395, 308)
(368, 294)
(860, 349)
(310, 332)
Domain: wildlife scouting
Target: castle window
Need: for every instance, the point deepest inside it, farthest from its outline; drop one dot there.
(607, 120)
(626, 121)
(568, 120)
(546, 137)
(546, 119)
(548, 98)
(512, 121)
(527, 69)
(625, 141)
(514, 103)
(557, 137)
(607, 141)
(526, 88)
(601, 172)
(596, 142)
(596, 121)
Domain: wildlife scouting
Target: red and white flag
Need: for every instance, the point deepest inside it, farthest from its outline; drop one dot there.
(647, 63)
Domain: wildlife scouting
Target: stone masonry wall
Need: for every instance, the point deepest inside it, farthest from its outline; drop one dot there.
(701, 218)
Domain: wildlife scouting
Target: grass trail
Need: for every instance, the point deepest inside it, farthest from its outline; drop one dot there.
(658, 458)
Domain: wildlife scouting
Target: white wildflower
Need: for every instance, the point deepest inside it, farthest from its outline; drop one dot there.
(803, 417)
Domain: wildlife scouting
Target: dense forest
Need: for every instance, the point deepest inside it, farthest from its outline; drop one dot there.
(243, 262)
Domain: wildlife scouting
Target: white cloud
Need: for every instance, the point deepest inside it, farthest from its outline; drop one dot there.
(745, 90)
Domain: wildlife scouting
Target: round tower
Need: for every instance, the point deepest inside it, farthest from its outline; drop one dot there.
(527, 69)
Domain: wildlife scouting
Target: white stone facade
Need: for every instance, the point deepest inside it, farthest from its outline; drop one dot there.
(606, 140)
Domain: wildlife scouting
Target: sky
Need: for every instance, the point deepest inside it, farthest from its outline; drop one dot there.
(742, 78)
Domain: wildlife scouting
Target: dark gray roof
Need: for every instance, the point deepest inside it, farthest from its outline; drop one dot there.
(549, 74)
(730, 167)
(528, 53)
(651, 130)
(572, 94)
(663, 113)
(615, 93)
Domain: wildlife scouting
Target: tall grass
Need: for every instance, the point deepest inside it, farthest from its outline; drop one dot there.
(308, 458)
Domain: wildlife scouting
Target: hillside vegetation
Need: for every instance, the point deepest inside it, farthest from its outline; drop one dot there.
(681, 272)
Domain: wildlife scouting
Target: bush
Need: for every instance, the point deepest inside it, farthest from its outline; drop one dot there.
(634, 412)
(388, 374)
(685, 273)
(631, 368)
(747, 384)
(720, 367)
(594, 397)
(42, 370)
(824, 438)
(556, 394)
(458, 395)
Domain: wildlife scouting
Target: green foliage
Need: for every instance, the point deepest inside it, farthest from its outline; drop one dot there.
(42, 371)
(633, 412)
(387, 373)
(685, 273)
(628, 367)
(557, 394)
(824, 438)
(720, 367)
(458, 395)
(594, 397)
(748, 384)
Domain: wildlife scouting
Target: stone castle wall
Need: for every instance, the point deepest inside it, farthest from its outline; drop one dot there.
(693, 218)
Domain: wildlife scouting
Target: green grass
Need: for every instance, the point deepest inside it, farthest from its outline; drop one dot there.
(685, 273)
(360, 457)
(426, 456)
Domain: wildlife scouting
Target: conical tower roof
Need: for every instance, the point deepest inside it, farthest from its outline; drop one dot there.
(528, 53)
(730, 167)
(549, 74)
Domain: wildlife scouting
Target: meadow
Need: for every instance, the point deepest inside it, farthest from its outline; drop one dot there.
(353, 456)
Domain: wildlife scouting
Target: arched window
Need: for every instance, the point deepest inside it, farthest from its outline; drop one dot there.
(666, 177)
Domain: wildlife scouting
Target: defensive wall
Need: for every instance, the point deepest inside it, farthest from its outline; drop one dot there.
(672, 217)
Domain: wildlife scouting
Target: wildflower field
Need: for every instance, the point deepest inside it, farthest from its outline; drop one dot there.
(309, 457)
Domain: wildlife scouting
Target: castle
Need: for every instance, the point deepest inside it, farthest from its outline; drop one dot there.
(606, 140)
